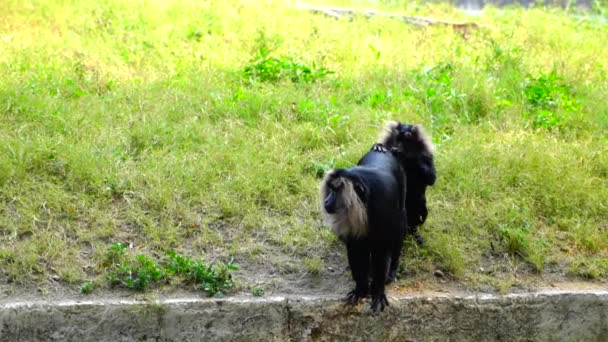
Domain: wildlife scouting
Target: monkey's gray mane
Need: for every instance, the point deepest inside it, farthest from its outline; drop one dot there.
(425, 139)
(389, 134)
(351, 219)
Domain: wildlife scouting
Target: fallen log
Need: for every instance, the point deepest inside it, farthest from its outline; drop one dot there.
(337, 12)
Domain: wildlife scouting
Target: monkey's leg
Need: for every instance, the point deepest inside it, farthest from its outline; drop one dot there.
(358, 259)
(395, 256)
(380, 265)
(413, 231)
(416, 215)
(400, 222)
(422, 215)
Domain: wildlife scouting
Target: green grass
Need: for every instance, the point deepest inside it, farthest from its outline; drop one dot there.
(203, 127)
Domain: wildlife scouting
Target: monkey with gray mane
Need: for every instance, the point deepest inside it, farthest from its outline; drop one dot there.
(365, 207)
(414, 150)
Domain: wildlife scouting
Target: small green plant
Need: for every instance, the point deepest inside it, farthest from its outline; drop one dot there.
(549, 99)
(257, 292)
(138, 274)
(116, 253)
(266, 68)
(87, 287)
(177, 264)
(145, 272)
(213, 279)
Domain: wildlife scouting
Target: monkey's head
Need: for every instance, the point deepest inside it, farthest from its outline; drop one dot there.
(339, 193)
(342, 204)
(409, 140)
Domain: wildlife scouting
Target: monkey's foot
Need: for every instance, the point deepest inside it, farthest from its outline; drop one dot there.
(379, 302)
(355, 295)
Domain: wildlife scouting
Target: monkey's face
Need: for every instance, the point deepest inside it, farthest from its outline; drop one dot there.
(333, 200)
(408, 139)
(406, 131)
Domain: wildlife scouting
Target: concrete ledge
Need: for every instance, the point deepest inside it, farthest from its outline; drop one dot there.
(539, 316)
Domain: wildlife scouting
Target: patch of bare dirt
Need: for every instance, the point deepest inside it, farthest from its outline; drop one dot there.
(277, 273)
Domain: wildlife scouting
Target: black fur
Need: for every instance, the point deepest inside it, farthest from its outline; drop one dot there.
(379, 181)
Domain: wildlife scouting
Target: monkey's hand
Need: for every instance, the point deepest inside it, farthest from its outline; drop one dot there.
(355, 295)
(379, 148)
(379, 302)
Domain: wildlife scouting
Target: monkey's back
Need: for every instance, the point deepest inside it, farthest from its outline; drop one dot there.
(384, 202)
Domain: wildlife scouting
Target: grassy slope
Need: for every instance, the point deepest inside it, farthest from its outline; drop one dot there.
(124, 122)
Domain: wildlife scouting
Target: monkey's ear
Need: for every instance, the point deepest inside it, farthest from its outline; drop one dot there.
(418, 130)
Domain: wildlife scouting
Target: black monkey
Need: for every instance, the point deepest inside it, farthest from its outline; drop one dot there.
(364, 206)
(414, 150)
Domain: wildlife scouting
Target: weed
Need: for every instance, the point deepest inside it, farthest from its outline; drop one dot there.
(550, 99)
(138, 274)
(266, 68)
(87, 287)
(116, 253)
(257, 292)
(213, 279)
